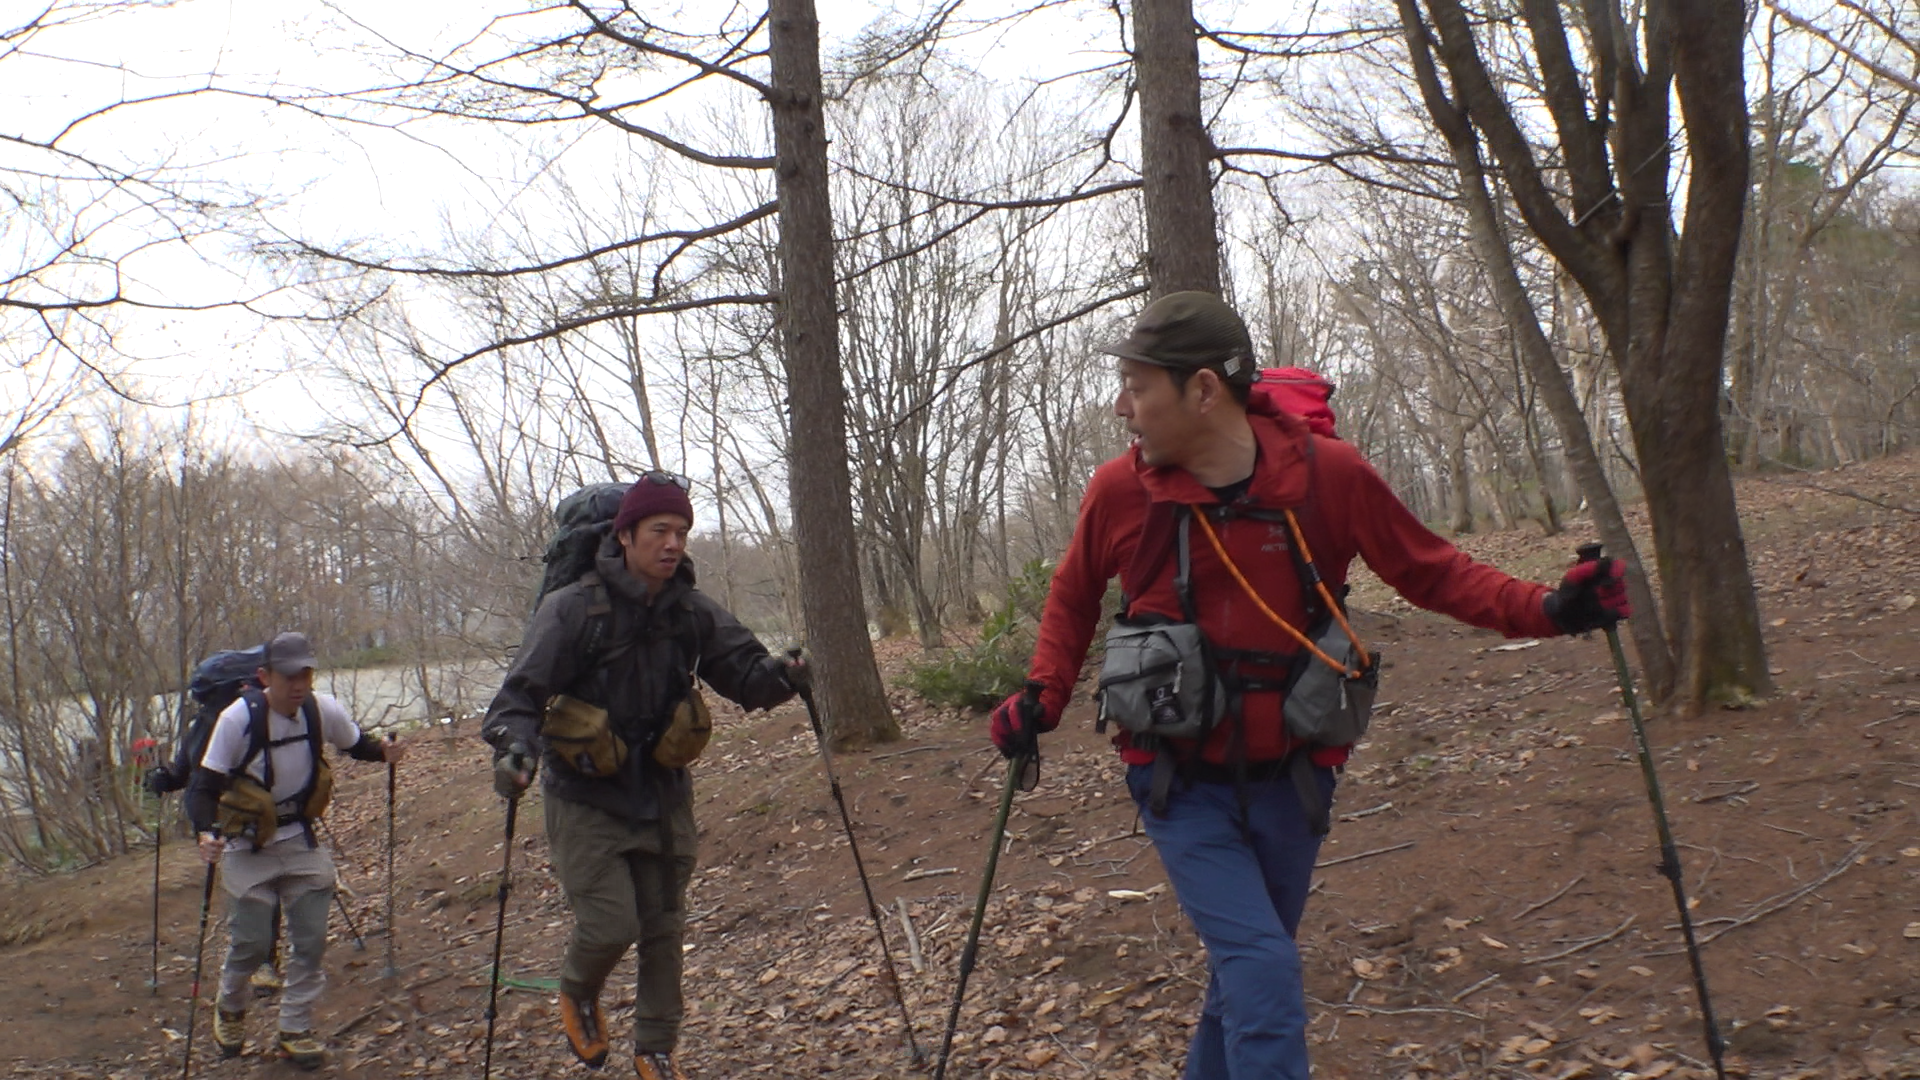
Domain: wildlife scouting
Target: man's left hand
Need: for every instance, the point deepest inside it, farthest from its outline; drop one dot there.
(1593, 596)
(391, 752)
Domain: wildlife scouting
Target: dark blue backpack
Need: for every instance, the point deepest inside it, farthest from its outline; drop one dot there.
(581, 522)
(215, 683)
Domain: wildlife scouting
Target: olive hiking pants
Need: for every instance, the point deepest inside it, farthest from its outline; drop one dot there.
(626, 883)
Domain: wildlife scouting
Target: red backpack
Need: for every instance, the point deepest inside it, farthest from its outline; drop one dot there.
(1297, 391)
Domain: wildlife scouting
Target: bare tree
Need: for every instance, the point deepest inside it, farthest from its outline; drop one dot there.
(98, 225)
(1824, 133)
(1661, 292)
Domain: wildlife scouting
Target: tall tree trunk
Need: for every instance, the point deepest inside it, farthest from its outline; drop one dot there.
(1536, 352)
(847, 682)
(1183, 251)
(1672, 375)
(1608, 220)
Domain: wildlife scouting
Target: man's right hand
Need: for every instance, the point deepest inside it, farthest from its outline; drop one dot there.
(159, 780)
(210, 848)
(513, 771)
(1016, 723)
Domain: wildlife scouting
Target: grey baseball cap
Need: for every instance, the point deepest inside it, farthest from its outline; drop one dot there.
(1190, 330)
(290, 653)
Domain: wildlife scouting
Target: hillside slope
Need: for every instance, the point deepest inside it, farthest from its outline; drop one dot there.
(1489, 904)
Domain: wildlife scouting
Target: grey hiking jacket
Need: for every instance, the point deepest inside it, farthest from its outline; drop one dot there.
(647, 672)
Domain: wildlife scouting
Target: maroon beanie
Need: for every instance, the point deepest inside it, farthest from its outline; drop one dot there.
(648, 497)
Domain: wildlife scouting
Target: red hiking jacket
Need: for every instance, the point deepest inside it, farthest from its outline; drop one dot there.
(1359, 515)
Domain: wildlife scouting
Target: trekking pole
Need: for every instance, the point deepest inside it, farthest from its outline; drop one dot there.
(392, 969)
(153, 982)
(859, 866)
(1028, 757)
(499, 934)
(159, 832)
(359, 943)
(1669, 853)
(199, 955)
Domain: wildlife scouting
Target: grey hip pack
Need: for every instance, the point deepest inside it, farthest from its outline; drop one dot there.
(1160, 678)
(1327, 706)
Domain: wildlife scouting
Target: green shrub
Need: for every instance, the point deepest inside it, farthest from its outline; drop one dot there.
(981, 675)
(365, 657)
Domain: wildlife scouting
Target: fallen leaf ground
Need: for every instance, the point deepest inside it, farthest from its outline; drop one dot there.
(1489, 903)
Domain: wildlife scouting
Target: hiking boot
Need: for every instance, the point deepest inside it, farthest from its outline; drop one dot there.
(586, 1034)
(301, 1048)
(265, 981)
(656, 1066)
(229, 1031)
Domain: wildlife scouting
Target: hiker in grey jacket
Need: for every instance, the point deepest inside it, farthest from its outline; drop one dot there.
(628, 638)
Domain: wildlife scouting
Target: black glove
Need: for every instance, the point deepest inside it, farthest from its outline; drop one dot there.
(798, 675)
(1593, 596)
(794, 669)
(513, 770)
(160, 780)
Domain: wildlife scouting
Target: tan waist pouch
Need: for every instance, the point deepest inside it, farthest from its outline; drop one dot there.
(322, 795)
(687, 733)
(580, 737)
(246, 809)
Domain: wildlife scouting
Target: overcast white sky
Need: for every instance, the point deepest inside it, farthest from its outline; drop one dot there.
(333, 181)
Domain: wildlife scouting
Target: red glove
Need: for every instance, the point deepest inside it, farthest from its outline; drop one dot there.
(1593, 596)
(1016, 723)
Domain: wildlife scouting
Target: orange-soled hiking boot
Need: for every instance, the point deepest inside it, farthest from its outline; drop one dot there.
(586, 1034)
(656, 1066)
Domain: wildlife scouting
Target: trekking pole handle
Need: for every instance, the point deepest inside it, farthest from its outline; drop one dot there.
(1588, 552)
(1032, 711)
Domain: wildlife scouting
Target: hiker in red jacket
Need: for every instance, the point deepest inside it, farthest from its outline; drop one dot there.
(1237, 808)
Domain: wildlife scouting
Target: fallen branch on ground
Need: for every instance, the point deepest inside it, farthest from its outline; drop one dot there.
(1474, 989)
(1531, 908)
(911, 750)
(1363, 855)
(1582, 946)
(1773, 903)
(1751, 786)
(914, 955)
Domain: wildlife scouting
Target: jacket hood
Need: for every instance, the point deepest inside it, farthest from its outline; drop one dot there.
(1280, 476)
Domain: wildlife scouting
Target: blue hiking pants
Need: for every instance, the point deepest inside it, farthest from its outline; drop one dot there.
(1242, 878)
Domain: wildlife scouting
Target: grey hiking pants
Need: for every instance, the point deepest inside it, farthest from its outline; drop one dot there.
(301, 878)
(627, 884)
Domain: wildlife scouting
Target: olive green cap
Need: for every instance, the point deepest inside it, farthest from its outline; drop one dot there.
(1190, 330)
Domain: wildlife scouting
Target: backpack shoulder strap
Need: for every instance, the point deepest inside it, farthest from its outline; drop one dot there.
(258, 743)
(256, 735)
(593, 635)
(691, 651)
(310, 710)
(1313, 528)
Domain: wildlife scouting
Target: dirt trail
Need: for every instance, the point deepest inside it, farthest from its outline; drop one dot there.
(1489, 903)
